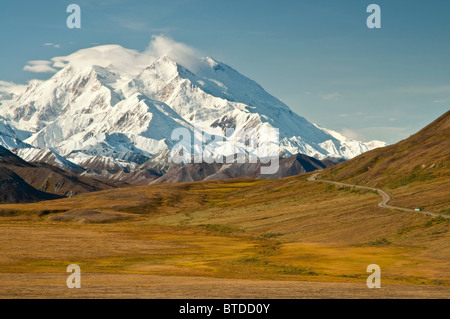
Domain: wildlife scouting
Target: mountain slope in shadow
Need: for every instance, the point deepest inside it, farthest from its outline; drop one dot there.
(13, 189)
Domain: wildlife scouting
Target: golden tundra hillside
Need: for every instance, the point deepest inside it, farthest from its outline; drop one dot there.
(286, 238)
(416, 170)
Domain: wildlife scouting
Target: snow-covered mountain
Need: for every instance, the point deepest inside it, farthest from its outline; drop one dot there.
(48, 156)
(95, 109)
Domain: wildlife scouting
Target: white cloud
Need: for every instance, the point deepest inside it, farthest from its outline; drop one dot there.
(39, 66)
(118, 59)
(128, 61)
(332, 96)
(180, 52)
(350, 134)
(39, 62)
(52, 44)
(115, 57)
(10, 87)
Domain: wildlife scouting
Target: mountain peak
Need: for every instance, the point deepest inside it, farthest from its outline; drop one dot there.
(161, 61)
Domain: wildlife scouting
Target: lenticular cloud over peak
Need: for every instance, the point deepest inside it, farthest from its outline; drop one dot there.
(177, 51)
(114, 57)
(128, 61)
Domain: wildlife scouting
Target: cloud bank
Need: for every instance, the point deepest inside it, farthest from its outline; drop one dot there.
(52, 45)
(11, 87)
(39, 66)
(119, 59)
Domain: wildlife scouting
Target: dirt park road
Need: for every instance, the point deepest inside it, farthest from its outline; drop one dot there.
(386, 198)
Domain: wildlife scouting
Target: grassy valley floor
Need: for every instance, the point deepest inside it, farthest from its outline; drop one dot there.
(287, 238)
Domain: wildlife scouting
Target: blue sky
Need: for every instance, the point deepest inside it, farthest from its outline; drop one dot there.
(318, 57)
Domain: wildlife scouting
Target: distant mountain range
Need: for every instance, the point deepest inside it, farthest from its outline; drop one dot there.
(47, 176)
(94, 112)
(293, 165)
(23, 182)
(420, 161)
